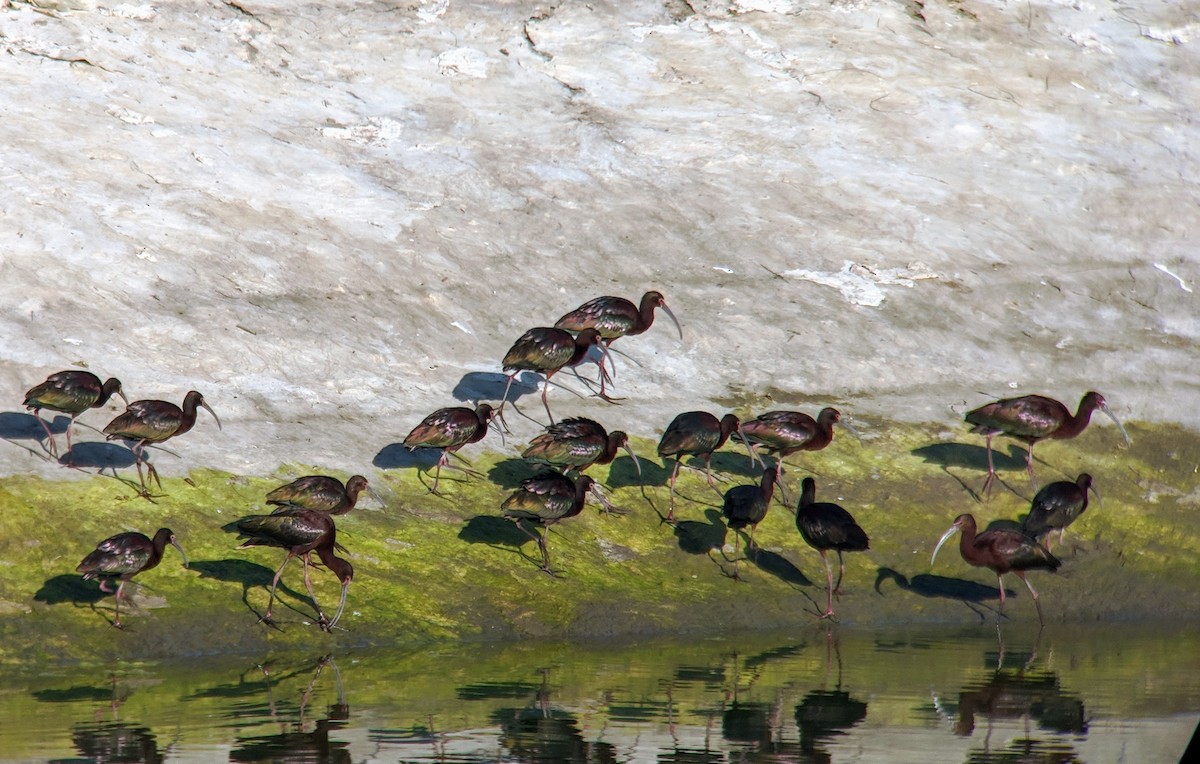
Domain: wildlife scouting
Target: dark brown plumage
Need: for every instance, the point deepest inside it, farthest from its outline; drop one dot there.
(301, 532)
(577, 443)
(1003, 550)
(450, 429)
(1033, 418)
(616, 317)
(123, 556)
(71, 392)
(547, 498)
(1056, 506)
(747, 505)
(153, 422)
(319, 492)
(696, 433)
(548, 351)
(824, 526)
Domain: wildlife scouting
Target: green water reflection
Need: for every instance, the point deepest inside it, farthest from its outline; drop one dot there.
(1113, 692)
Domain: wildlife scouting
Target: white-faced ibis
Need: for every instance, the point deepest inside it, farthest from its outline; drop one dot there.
(153, 422)
(577, 443)
(825, 526)
(1033, 418)
(1002, 550)
(1057, 506)
(547, 350)
(747, 505)
(697, 433)
(71, 392)
(320, 492)
(125, 555)
(546, 498)
(783, 433)
(301, 532)
(450, 429)
(616, 317)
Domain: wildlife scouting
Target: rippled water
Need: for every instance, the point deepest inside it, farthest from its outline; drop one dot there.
(1106, 693)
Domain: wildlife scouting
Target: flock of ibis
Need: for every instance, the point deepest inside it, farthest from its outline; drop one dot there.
(302, 522)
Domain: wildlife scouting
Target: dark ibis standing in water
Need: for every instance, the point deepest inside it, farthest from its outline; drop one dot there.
(1033, 418)
(71, 392)
(450, 429)
(1002, 550)
(546, 498)
(696, 433)
(153, 422)
(616, 317)
(577, 443)
(747, 505)
(825, 526)
(301, 532)
(547, 350)
(125, 555)
(320, 492)
(1056, 506)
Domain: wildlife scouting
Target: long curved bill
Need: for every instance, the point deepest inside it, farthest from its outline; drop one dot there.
(754, 457)
(371, 492)
(177, 545)
(121, 393)
(341, 607)
(1096, 493)
(845, 423)
(671, 315)
(637, 465)
(214, 414)
(1104, 407)
(942, 540)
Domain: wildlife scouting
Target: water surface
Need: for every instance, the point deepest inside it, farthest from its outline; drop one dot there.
(1102, 693)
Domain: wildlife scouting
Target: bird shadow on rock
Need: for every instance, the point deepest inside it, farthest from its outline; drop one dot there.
(971, 593)
(399, 456)
(489, 386)
(695, 537)
(972, 457)
(775, 564)
(493, 531)
(733, 463)
(244, 573)
(510, 473)
(15, 425)
(70, 588)
(499, 533)
(100, 456)
(623, 474)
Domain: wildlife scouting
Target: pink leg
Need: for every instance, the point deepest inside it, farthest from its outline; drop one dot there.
(271, 600)
(1036, 603)
(991, 475)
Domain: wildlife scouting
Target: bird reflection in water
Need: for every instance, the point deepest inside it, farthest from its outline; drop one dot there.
(540, 732)
(1018, 690)
(302, 740)
(107, 740)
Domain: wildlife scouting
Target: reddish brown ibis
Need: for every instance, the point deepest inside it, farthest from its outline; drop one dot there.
(1002, 550)
(1033, 418)
(696, 433)
(547, 498)
(321, 492)
(783, 433)
(577, 443)
(153, 422)
(1057, 506)
(824, 526)
(747, 505)
(616, 317)
(301, 532)
(548, 351)
(71, 392)
(125, 555)
(450, 429)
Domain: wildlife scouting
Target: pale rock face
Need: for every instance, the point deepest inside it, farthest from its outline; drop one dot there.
(333, 218)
